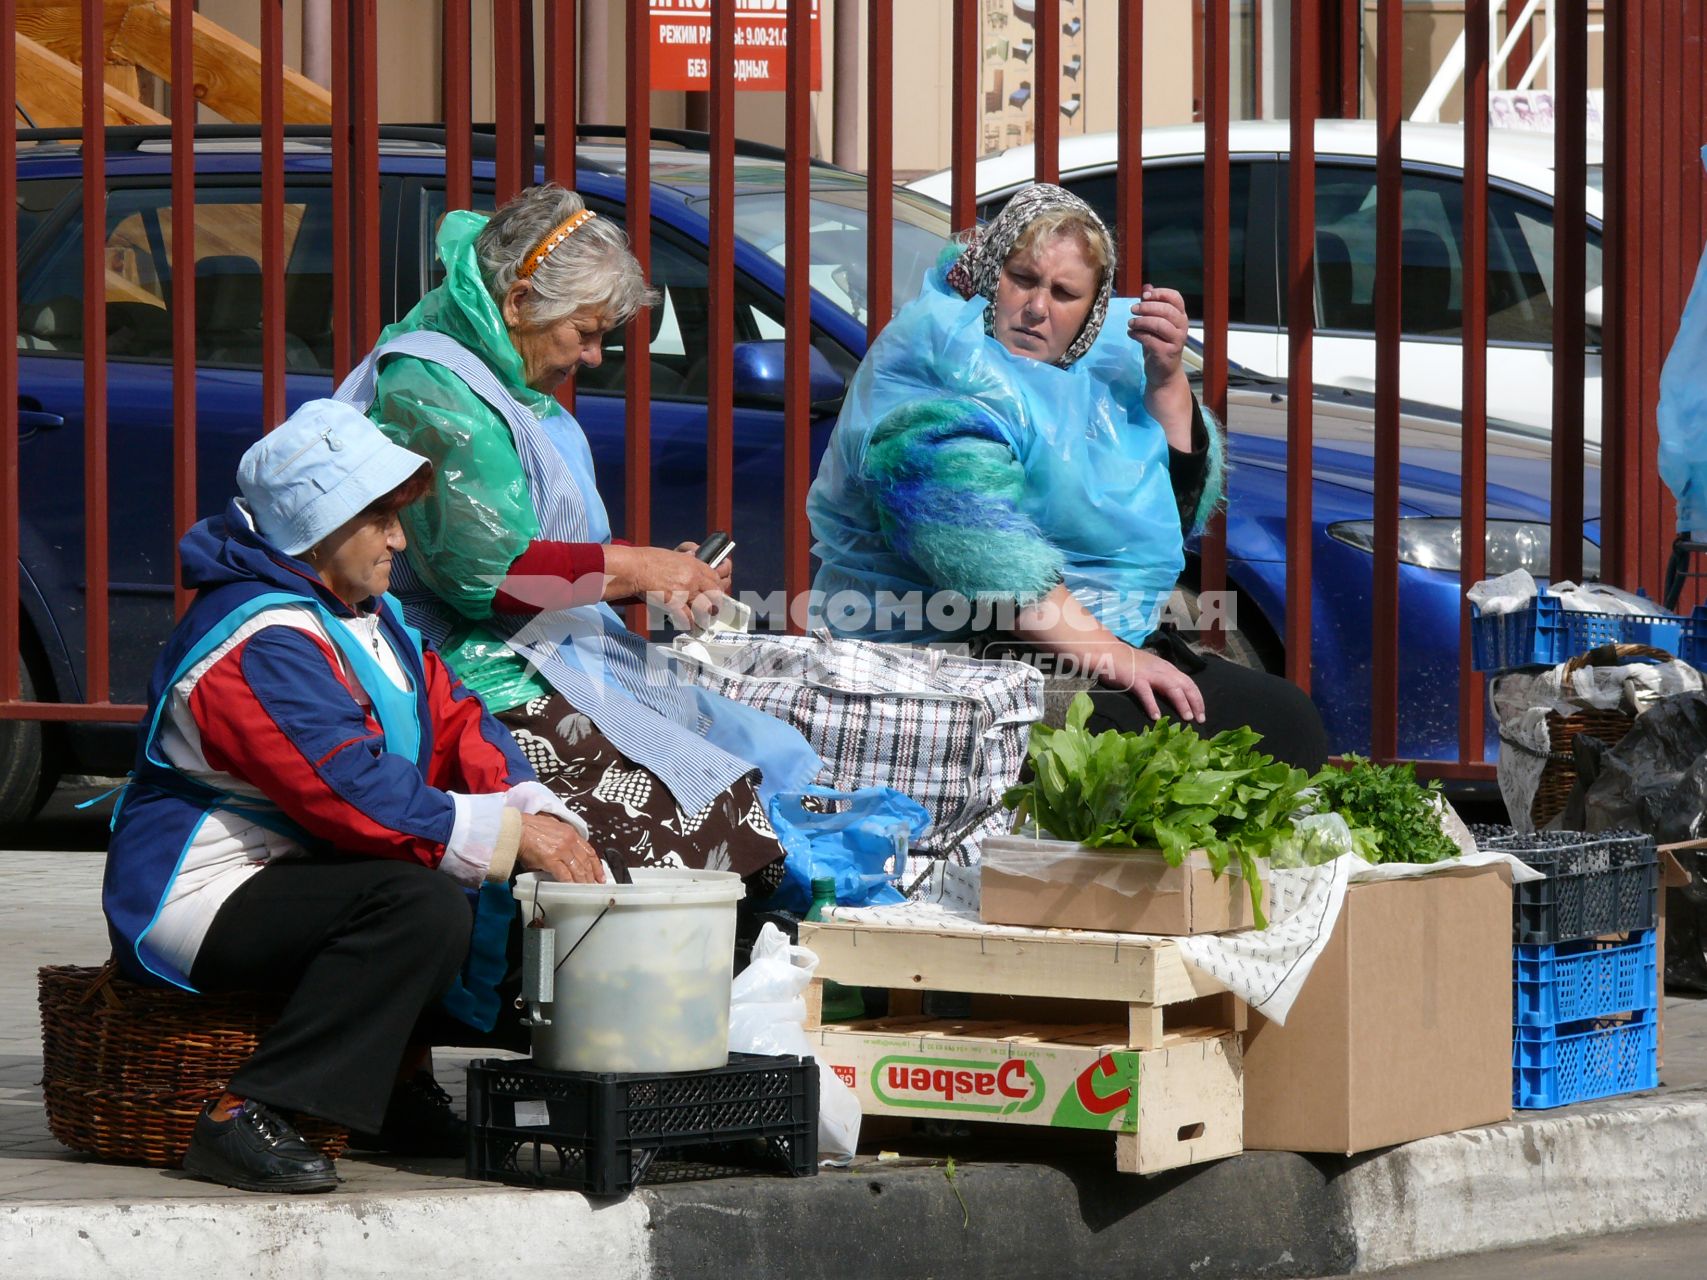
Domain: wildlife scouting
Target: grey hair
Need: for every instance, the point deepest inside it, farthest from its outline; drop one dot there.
(592, 269)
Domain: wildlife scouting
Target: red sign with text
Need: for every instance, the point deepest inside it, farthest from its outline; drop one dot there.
(681, 44)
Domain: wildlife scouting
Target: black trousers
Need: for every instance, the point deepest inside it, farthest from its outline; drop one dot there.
(1233, 697)
(364, 947)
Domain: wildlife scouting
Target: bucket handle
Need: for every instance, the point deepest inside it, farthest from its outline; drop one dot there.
(578, 941)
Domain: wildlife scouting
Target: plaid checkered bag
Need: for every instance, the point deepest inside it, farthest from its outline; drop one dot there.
(947, 730)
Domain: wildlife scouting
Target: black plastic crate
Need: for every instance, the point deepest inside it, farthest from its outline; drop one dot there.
(605, 1133)
(1597, 883)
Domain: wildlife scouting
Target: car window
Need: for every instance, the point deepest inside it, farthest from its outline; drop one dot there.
(37, 199)
(681, 322)
(1431, 302)
(836, 241)
(1172, 252)
(1531, 223)
(139, 266)
(681, 327)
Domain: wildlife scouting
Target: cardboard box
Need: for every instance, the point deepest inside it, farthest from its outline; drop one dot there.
(1170, 1106)
(1403, 1028)
(1055, 884)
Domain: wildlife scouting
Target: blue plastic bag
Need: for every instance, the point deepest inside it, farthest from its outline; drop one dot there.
(855, 843)
(1683, 409)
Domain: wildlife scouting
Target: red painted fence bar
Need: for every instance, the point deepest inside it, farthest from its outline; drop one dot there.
(96, 630)
(1349, 86)
(1301, 328)
(1618, 533)
(1212, 575)
(963, 117)
(796, 312)
(514, 134)
(720, 381)
(1389, 235)
(637, 337)
(11, 686)
(1570, 185)
(457, 79)
(1473, 466)
(1046, 105)
(184, 285)
(562, 112)
(342, 357)
(879, 164)
(1129, 175)
(272, 217)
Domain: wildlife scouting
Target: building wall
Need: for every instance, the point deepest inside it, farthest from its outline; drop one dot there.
(923, 39)
(1431, 27)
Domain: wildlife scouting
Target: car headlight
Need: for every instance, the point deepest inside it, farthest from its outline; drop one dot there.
(1437, 542)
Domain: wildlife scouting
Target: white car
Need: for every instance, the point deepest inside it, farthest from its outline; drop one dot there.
(1520, 250)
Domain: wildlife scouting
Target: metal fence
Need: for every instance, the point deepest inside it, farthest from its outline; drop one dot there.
(1656, 96)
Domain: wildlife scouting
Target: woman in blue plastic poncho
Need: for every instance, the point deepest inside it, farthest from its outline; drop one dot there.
(1010, 471)
(511, 563)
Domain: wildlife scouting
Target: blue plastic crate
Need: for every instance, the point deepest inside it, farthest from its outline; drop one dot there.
(1692, 648)
(1545, 633)
(1570, 981)
(1576, 1061)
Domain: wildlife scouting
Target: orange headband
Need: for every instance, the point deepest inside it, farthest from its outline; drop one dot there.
(543, 250)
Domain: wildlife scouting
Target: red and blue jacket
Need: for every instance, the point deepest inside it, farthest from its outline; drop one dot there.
(296, 749)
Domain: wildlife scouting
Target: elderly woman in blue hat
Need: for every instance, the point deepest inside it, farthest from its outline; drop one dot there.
(320, 808)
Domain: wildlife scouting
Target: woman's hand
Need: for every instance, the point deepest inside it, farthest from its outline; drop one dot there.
(684, 586)
(1150, 679)
(1159, 325)
(557, 851)
(725, 571)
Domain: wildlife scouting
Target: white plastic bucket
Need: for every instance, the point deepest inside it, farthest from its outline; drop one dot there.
(647, 988)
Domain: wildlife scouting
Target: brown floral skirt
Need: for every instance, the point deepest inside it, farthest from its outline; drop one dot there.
(630, 812)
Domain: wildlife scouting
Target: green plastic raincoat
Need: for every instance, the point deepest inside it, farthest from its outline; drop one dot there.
(466, 534)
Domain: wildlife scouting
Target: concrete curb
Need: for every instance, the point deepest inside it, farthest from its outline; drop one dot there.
(1263, 1214)
(434, 1233)
(1618, 1167)
(1615, 1166)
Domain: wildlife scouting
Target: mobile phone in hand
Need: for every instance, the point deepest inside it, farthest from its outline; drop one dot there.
(715, 549)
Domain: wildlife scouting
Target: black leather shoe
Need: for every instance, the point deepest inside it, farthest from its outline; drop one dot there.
(256, 1150)
(418, 1122)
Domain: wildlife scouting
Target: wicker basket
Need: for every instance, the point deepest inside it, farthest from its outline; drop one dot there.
(1559, 776)
(126, 1068)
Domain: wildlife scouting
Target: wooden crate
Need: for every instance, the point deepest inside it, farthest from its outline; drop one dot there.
(1066, 1030)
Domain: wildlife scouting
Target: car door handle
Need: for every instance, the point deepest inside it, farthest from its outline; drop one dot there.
(31, 421)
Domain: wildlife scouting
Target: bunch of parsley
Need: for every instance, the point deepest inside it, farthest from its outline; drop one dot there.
(1392, 816)
(1166, 788)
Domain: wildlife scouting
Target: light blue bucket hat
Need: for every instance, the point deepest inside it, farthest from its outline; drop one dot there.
(320, 468)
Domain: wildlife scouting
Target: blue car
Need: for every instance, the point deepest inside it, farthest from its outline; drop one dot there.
(228, 394)
(1342, 546)
(229, 324)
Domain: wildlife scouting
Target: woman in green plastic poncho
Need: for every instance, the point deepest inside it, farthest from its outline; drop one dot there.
(511, 564)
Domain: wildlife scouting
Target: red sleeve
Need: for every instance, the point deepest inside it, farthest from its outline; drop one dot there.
(553, 575)
(472, 752)
(276, 713)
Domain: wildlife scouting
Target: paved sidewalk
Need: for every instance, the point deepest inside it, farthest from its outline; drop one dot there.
(1015, 1206)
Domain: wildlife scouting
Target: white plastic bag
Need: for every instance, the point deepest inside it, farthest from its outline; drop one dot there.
(767, 1014)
